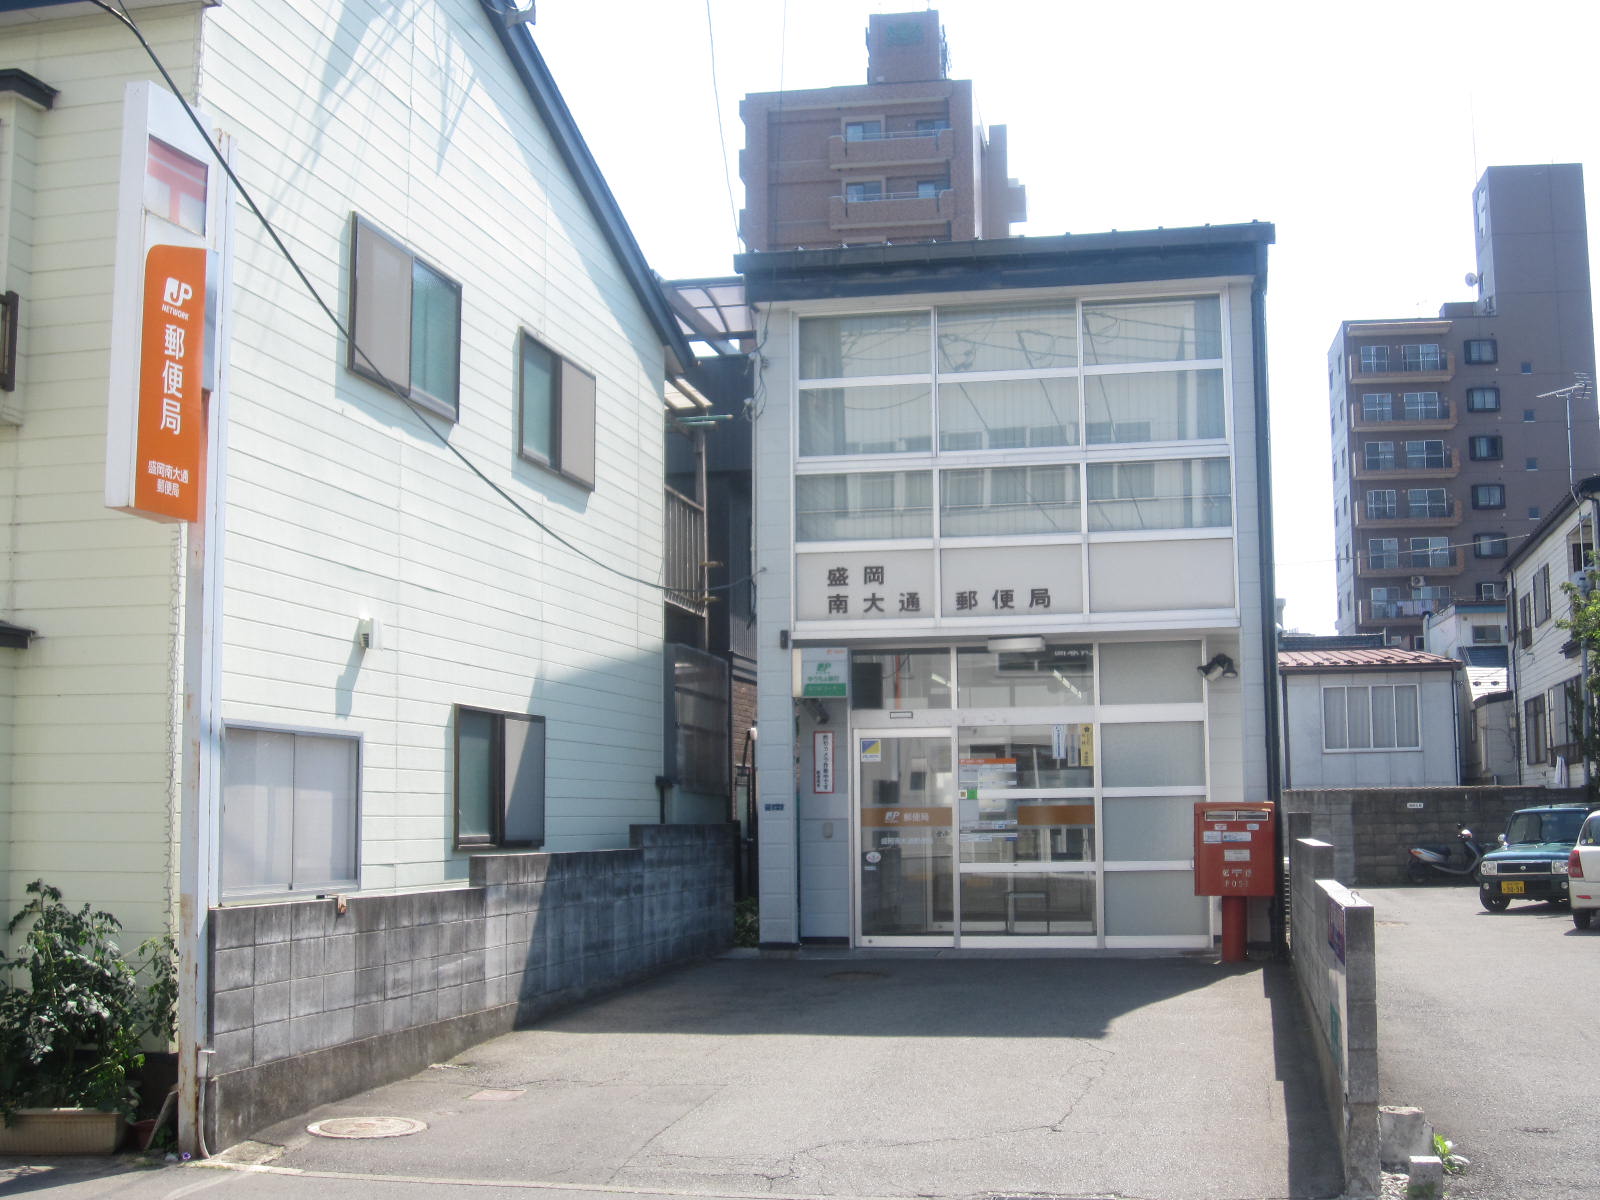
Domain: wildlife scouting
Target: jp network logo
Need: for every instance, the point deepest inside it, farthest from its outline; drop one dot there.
(177, 293)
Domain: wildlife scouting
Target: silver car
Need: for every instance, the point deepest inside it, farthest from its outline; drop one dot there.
(1583, 872)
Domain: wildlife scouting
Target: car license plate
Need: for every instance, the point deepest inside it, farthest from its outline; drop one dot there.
(1513, 887)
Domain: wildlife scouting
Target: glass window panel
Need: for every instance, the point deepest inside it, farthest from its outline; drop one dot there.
(849, 347)
(878, 504)
(475, 775)
(1009, 500)
(1154, 904)
(1157, 754)
(1006, 829)
(1008, 339)
(1027, 756)
(1405, 717)
(866, 420)
(1358, 709)
(1382, 702)
(435, 335)
(907, 679)
(324, 811)
(1006, 414)
(538, 386)
(1058, 675)
(1150, 672)
(1188, 493)
(257, 810)
(1152, 331)
(1148, 828)
(1038, 905)
(1335, 730)
(1161, 406)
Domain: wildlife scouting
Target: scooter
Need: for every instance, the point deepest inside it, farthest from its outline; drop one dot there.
(1425, 863)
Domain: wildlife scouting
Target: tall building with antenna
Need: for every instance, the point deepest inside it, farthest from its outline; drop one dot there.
(899, 158)
(1453, 436)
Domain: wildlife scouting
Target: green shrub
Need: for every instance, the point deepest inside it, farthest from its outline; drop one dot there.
(746, 922)
(71, 1037)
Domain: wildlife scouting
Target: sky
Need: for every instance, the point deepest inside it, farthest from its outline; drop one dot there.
(1358, 130)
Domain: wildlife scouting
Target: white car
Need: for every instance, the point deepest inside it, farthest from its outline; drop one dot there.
(1583, 872)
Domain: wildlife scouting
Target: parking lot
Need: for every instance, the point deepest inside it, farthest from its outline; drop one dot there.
(1486, 1021)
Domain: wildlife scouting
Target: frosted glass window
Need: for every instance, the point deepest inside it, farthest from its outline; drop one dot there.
(1148, 828)
(1154, 903)
(1185, 493)
(866, 420)
(289, 811)
(1009, 500)
(1008, 414)
(851, 347)
(1149, 672)
(1057, 675)
(435, 335)
(1158, 406)
(1363, 718)
(1152, 331)
(909, 679)
(1157, 754)
(873, 504)
(1008, 339)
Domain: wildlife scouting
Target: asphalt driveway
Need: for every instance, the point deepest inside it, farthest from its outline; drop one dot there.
(880, 1075)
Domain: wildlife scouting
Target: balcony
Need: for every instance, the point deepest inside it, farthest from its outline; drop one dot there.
(1445, 465)
(1402, 564)
(1398, 368)
(896, 149)
(1440, 416)
(894, 210)
(684, 556)
(1370, 612)
(1430, 516)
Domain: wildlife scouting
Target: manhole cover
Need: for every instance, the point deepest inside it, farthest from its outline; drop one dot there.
(366, 1127)
(854, 976)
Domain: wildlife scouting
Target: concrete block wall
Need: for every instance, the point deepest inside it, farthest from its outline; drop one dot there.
(309, 1004)
(1371, 829)
(1335, 968)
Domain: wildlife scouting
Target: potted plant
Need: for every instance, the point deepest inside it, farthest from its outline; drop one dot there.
(72, 1028)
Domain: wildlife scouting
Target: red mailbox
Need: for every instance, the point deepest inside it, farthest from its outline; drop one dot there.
(1234, 849)
(1235, 856)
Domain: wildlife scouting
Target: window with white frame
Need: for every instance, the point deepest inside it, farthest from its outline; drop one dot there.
(1430, 552)
(499, 779)
(1377, 406)
(1423, 406)
(1378, 456)
(1382, 504)
(405, 320)
(1427, 503)
(1374, 359)
(1380, 717)
(954, 386)
(556, 412)
(1428, 454)
(290, 805)
(1424, 357)
(1383, 554)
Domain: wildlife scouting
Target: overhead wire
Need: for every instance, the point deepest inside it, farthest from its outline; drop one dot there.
(418, 411)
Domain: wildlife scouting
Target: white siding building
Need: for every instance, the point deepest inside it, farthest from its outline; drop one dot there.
(1012, 496)
(425, 620)
(1547, 665)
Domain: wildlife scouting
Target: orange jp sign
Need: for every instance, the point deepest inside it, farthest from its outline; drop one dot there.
(169, 459)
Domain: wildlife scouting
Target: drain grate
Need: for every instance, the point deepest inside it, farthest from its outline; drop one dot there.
(366, 1127)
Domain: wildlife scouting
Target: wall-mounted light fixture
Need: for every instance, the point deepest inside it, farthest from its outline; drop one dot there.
(1220, 667)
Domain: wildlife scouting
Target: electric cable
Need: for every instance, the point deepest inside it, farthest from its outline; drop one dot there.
(393, 388)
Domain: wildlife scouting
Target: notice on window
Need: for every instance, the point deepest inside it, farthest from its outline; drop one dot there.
(988, 772)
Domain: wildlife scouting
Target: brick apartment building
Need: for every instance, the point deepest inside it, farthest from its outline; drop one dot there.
(899, 158)
(1453, 436)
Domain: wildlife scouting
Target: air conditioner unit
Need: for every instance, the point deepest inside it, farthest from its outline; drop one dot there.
(1418, 580)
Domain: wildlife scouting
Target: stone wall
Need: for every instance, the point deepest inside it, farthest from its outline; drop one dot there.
(311, 1001)
(1372, 829)
(1334, 956)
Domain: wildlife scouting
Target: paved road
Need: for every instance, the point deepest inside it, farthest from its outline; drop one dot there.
(864, 1076)
(1487, 1022)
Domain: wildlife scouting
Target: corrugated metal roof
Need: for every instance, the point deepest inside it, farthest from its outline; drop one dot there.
(1383, 658)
